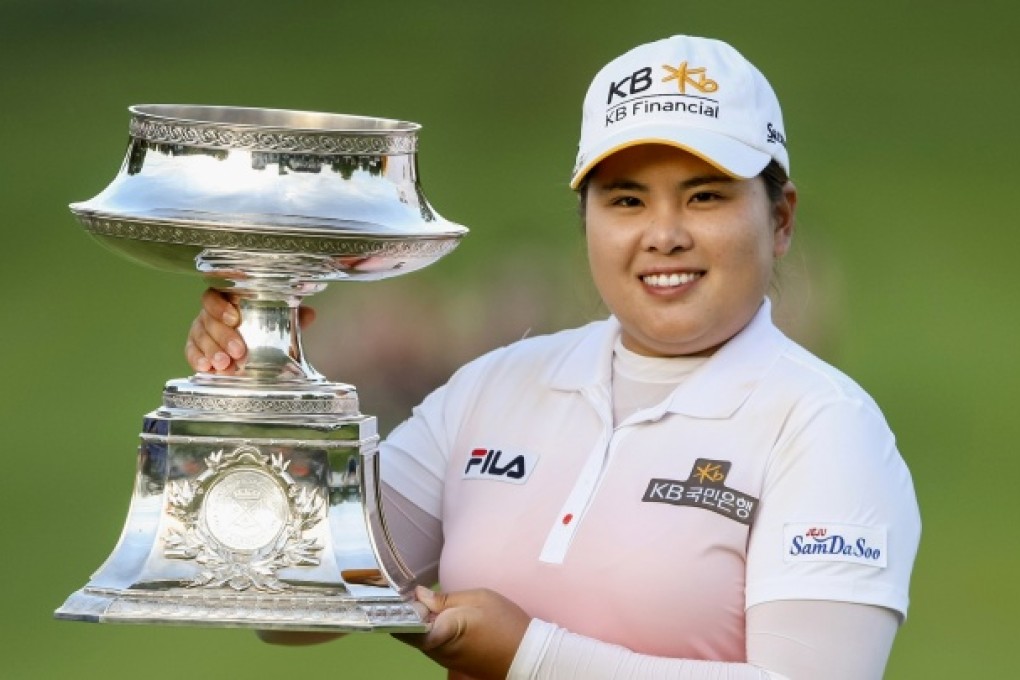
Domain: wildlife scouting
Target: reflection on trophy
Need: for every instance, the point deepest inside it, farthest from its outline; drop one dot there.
(256, 501)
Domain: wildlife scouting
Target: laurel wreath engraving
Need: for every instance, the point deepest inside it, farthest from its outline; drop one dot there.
(240, 570)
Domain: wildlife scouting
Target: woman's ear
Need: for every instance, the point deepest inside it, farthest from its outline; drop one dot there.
(783, 214)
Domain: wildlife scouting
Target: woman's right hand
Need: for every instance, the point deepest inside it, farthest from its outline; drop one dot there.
(214, 345)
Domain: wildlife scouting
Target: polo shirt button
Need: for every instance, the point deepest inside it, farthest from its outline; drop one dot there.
(567, 518)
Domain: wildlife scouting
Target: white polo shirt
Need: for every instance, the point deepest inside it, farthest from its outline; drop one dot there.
(766, 475)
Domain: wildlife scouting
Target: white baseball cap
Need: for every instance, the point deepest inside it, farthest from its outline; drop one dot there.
(698, 94)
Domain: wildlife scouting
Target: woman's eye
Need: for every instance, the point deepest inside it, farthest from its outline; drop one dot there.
(705, 196)
(627, 201)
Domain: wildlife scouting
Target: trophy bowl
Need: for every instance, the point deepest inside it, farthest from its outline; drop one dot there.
(256, 500)
(341, 190)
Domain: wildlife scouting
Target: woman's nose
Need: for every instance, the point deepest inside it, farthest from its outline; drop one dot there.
(667, 232)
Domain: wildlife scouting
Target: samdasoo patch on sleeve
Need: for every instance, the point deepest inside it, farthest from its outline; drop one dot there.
(822, 542)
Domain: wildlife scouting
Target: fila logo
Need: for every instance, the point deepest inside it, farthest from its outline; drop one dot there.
(498, 465)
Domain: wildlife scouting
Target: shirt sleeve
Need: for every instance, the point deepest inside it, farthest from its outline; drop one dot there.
(414, 457)
(417, 535)
(413, 467)
(788, 640)
(412, 460)
(838, 518)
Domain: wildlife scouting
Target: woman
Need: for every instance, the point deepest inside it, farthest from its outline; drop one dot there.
(676, 491)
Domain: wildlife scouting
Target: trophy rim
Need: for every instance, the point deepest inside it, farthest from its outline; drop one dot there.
(268, 129)
(273, 119)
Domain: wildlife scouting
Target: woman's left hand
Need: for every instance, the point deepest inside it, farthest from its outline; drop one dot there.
(475, 632)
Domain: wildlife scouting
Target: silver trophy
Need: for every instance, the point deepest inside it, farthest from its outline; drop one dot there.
(256, 501)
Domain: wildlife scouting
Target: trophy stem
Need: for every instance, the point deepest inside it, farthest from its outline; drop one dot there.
(270, 329)
(268, 292)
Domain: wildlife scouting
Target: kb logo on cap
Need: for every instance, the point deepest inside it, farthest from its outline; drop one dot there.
(641, 80)
(685, 76)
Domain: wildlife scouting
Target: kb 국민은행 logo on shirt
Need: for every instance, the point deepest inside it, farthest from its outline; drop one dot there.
(704, 488)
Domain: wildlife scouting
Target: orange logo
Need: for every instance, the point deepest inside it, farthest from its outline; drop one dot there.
(695, 77)
(709, 472)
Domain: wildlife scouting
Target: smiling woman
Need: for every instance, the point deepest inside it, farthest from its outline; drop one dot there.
(677, 491)
(647, 208)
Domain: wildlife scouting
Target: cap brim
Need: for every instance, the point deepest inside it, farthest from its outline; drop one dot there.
(729, 155)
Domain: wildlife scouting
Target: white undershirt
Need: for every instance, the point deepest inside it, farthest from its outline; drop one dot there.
(640, 382)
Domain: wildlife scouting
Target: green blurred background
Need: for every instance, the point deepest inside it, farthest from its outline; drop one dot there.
(901, 119)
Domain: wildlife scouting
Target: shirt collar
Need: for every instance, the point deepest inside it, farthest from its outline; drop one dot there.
(588, 361)
(714, 390)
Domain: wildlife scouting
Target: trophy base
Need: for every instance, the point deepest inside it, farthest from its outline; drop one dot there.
(254, 508)
(233, 610)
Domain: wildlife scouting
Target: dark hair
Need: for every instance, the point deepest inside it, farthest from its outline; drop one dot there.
(775, 179)
(773, 175)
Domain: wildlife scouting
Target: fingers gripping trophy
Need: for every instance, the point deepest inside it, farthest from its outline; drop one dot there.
(256, 499)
